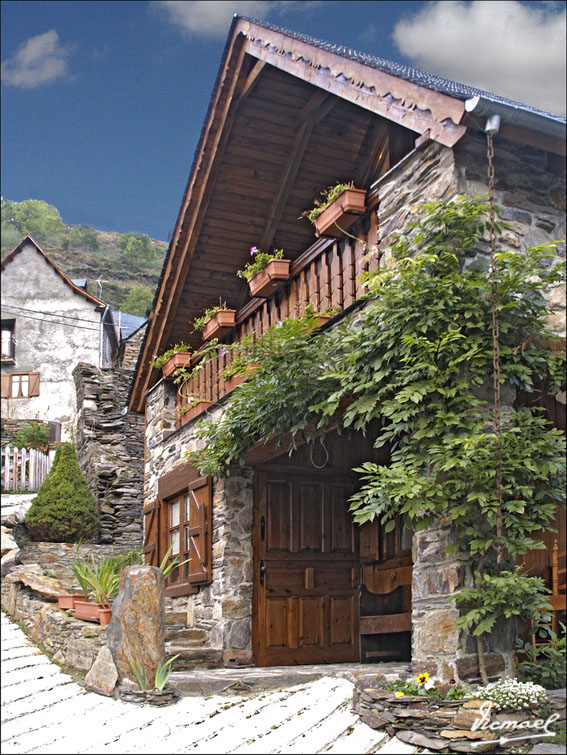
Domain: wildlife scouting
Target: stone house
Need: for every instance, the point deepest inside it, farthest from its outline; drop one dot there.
(278, 573)
(49, 324)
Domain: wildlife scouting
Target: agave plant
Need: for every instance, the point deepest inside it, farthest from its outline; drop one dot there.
(163, 671)
(102, 580)
(168, 566)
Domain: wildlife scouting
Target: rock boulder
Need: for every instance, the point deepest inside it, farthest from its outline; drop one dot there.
(136, 631)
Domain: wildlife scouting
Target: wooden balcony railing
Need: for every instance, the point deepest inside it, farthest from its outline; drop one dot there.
(325, 276)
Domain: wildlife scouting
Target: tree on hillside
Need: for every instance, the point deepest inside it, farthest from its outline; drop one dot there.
(81, 236)
(34, 217)
(139, 299)
(137, 248)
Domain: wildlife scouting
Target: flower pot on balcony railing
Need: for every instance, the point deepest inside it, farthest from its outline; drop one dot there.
(181, 359)
(266, 272)
(233, 381)
(340, 214)
(193, 411)
(219, 324)
(270, 278)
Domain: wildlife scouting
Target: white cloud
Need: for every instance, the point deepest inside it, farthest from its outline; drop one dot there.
(206, 18)
(506, 47)
(39, 60)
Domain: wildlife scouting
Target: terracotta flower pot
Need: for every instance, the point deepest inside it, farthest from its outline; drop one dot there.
(321, 320)
(181, 359)
(219, 324)
(67, 600)
(104, 616)
(232, 382)
(199, 407)
(270, 278)
(342, 213)
(88, 610)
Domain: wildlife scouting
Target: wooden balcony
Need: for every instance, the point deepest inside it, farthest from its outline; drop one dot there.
(325, 276)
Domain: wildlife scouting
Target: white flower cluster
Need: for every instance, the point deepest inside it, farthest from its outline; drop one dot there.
(513, 695)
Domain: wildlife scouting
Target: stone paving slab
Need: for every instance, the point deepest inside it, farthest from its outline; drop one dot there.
(45, 711)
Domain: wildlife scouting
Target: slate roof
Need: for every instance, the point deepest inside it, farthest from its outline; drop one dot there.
(128, 323)
(415, 75)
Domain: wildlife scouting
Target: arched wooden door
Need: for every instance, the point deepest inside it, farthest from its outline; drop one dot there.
(306, 570)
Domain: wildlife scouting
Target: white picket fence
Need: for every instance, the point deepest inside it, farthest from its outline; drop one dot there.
(24, 468)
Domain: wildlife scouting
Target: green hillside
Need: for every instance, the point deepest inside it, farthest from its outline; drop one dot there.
(127, 264)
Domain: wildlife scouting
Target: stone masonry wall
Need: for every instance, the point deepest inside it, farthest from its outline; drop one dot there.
(110, 451)
(130, 348)
(57, 558)
(73, 643)
(218, 618)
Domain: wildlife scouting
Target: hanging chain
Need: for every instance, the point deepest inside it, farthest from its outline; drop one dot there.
(495, 347)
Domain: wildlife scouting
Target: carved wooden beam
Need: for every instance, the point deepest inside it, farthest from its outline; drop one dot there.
(398, 100)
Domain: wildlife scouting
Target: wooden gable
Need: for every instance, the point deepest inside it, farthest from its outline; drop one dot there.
(287, 119)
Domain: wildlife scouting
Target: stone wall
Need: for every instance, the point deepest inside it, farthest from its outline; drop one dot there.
(129, 350)
(56, 559)
(74, 644)
(215, 624)
(110, 448)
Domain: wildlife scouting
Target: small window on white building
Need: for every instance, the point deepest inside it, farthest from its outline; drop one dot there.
(8, 340)
(20, 385)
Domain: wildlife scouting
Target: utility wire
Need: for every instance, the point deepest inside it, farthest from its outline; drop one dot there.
(54, 322)
(42, 312)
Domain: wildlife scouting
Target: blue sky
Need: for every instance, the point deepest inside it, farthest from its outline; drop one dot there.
(103, 102)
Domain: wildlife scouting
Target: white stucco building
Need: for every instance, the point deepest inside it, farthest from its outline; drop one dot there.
(49, 325)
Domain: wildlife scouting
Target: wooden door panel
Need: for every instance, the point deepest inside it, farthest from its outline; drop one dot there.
(311, 617)
(342, 535)
(306, 571)
(342, 620)
(308, 502)
(277, 623)
(278, 517)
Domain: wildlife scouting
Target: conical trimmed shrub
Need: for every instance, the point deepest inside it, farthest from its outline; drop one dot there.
(64, 510)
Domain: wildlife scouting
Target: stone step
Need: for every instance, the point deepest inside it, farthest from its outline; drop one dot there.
(184, 636)
(176, 617)
(193, 657)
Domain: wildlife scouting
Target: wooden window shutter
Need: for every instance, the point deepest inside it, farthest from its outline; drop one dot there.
(200, 531)
(5, 386)
(151, 533)
(33, 384)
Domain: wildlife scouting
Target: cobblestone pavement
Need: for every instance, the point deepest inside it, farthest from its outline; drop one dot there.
(45, 711)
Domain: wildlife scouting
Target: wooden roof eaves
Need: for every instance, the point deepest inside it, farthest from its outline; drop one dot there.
(76, 289)
(191, 214)
(403, 102)
(411, 105)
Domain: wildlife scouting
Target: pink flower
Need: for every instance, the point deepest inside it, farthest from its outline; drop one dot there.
(254, 250)
(223, 352)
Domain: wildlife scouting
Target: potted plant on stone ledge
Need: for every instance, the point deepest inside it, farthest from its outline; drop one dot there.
(102, 582)
(339, 208)
(266, 272)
